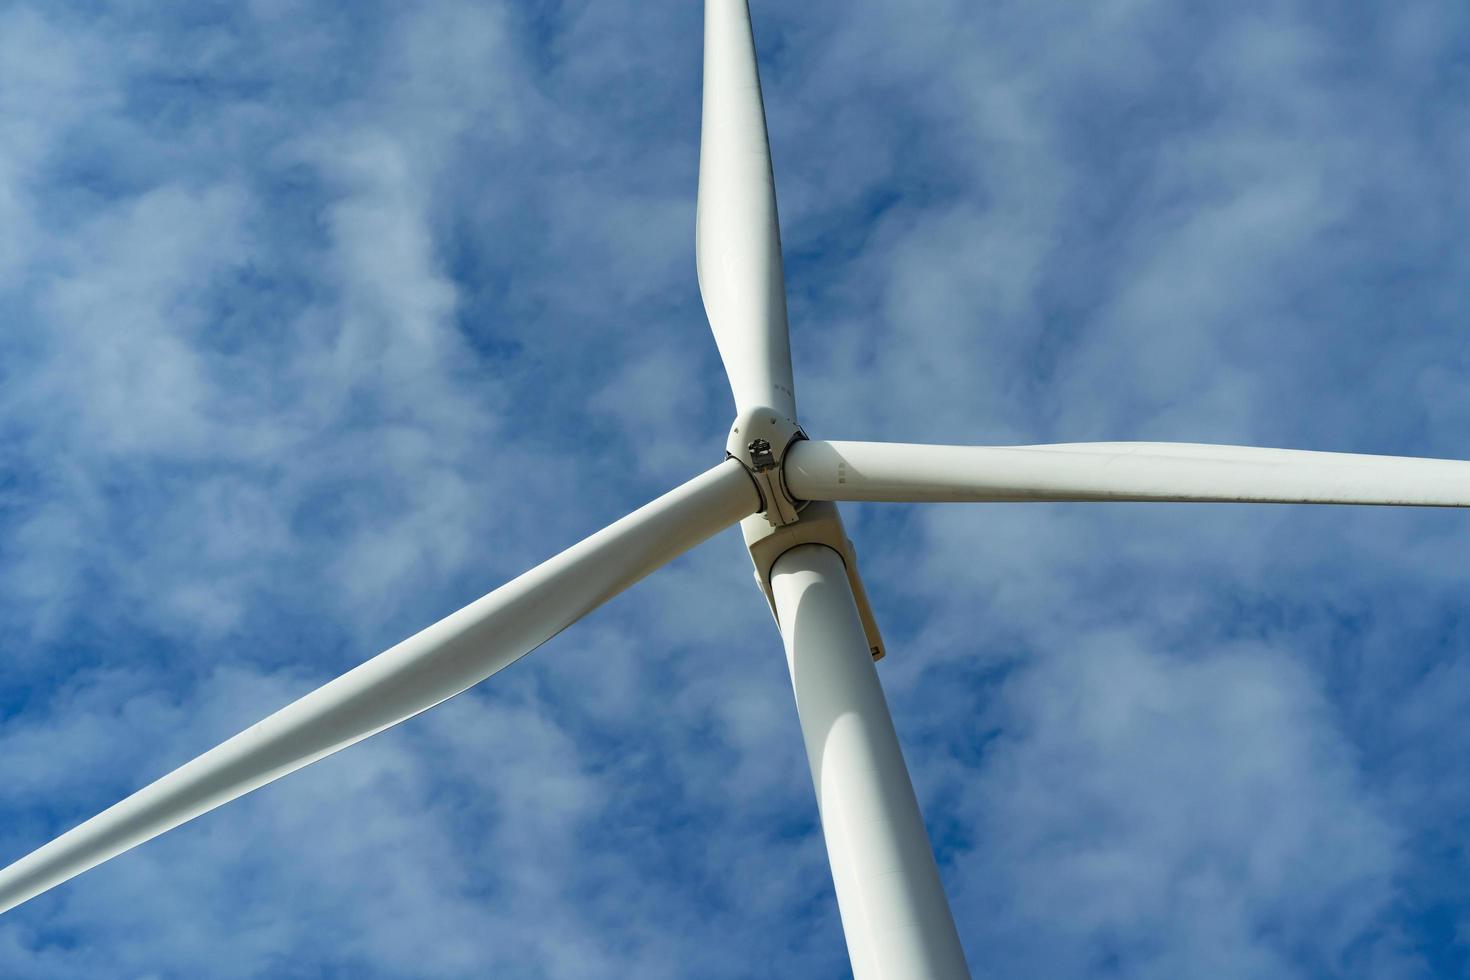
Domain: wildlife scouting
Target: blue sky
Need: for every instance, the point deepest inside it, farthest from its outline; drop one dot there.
(318, 322)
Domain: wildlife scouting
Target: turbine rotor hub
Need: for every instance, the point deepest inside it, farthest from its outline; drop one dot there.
(759, 439)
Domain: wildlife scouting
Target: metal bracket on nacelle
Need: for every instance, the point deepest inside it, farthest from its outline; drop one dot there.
(759, 440)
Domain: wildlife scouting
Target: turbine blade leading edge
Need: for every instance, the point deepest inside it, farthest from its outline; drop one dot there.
(737, 239)
(430, 667)
(1157, 471)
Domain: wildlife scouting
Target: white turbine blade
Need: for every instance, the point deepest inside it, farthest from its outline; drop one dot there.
(737, 242)
(430, 667)
(1164, 471)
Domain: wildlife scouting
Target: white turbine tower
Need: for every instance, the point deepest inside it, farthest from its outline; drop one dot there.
(781, 486)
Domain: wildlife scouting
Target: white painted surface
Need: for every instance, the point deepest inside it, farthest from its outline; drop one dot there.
(894, 911)
(441, 661)
(737, 239)
(1165, 471)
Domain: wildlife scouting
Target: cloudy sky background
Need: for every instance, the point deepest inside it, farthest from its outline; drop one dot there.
(319, 321)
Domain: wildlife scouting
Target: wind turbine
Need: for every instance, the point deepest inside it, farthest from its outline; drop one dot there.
(781, 487)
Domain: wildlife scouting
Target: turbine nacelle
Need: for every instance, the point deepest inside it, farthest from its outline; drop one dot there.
(760, 440)
(821, 524)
